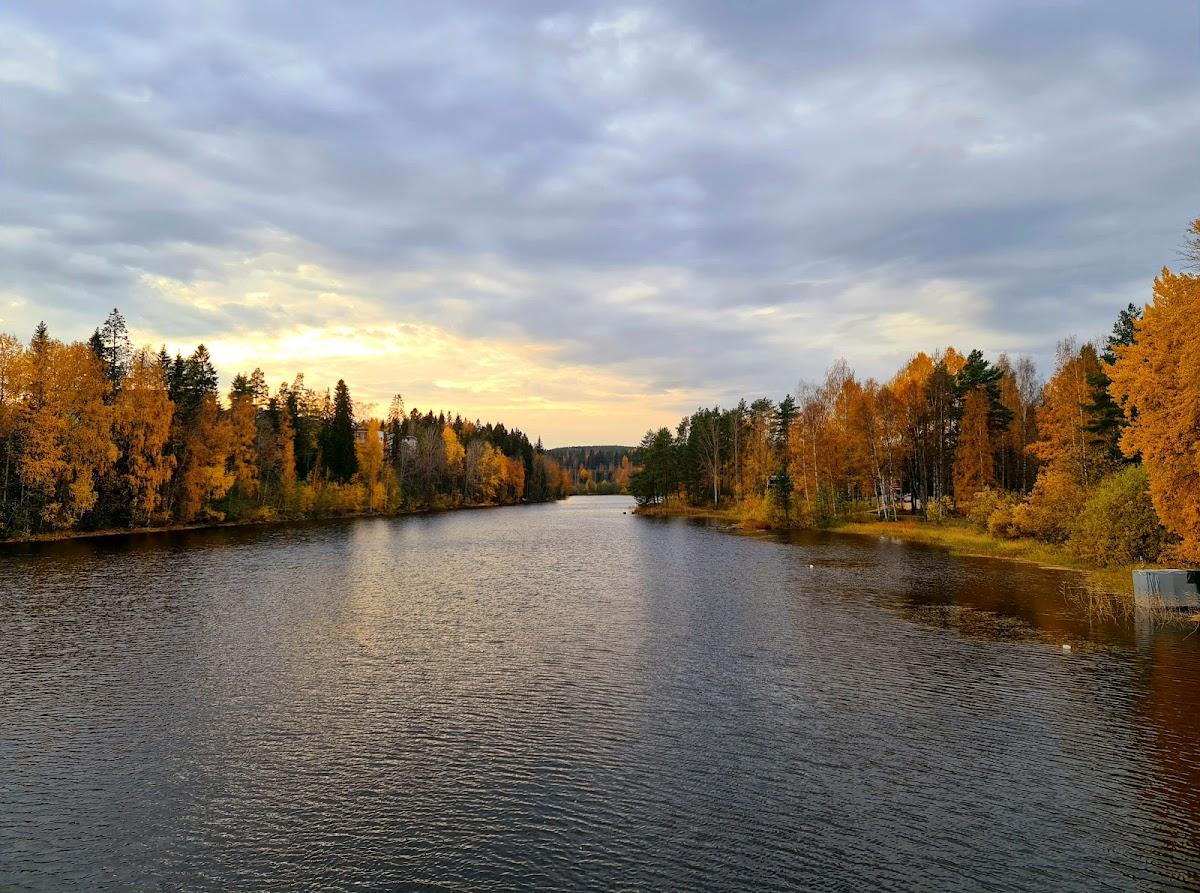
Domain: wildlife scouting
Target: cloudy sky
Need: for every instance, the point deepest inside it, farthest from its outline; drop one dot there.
(586, 218)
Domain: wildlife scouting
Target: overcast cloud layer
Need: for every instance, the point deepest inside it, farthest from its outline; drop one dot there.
(587, 218)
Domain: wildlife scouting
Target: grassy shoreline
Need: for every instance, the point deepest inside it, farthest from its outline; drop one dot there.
(65, 535)
(956, 536)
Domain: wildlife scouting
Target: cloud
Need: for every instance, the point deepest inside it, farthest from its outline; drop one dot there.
(625, 208)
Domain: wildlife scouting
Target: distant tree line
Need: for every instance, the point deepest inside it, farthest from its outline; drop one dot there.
(596, 470)
(1103, 458)
(96, 434)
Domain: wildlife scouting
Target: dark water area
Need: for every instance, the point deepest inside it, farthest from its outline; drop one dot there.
(568, 697)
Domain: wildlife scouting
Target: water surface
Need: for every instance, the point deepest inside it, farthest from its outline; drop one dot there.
(569, 697)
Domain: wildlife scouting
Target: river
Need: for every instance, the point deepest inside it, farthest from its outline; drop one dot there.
(570, 697)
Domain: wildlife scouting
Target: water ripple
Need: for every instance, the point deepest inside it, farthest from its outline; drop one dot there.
(566, 697)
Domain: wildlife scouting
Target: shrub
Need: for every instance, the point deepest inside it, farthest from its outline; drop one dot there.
(981, 507)
(1118, 525)
(298, 501)
(827, 509)
(1050, 511)
(756, 513)
(1000, 521)
(940, 510)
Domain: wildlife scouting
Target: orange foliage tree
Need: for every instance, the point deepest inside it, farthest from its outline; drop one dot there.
(67, 430)
(974, 469)
(142, 430)
(1156, 380)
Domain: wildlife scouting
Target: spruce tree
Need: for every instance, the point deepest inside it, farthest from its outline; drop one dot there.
(337, 448)
(115, 349)
(176, 374)
(39, 355)
(781, 483)
(197, 380)
(1107, 417)
(979, 373)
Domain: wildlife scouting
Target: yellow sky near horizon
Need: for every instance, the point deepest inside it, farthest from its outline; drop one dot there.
(517, 381)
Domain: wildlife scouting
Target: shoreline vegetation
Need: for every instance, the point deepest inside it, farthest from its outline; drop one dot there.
(96, 436)
(274, 521)
(955, 535)
(1096, 468)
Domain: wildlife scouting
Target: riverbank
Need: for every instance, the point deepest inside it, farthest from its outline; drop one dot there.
(961, 538)
(956, 536)
(272, 521)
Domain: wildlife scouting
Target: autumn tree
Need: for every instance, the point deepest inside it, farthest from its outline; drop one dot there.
(1156, 380)
(1072, 462)
(1064, 436)
(514, 479)
(1118, 525)
(877, 417)
(454, 453)
(66, 431)
(142, 431)
(92, 434)
(758, 454)
(286, 438)
(910, 386)
(200, 437)
(974, 469)
(1020, 392)
(429, 462)
(371, 464)
(243, 442)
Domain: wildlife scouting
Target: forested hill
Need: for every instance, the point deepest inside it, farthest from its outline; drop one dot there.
(596, 470)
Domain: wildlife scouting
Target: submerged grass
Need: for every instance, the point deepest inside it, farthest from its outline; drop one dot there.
(957, 536)
(1103, 593)
(962, 538)
(746, 515)
(1106, 606)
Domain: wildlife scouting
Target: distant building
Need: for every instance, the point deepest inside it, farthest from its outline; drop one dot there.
(360, 434)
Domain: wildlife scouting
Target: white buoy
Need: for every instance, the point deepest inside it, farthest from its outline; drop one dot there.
(1066, 647)
(811, 566)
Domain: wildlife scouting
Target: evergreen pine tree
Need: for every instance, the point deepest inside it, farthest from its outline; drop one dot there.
(337, 447)
(979, 373)
(96, 343)
(197, 380)
(1107, 418)
(781, 482)
(39, 355)
(115, 349)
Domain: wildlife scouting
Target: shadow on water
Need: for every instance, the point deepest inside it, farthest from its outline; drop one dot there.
(998, 600)
(979, 596)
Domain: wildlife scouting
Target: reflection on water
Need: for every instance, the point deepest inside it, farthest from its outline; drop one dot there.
(567, 697)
